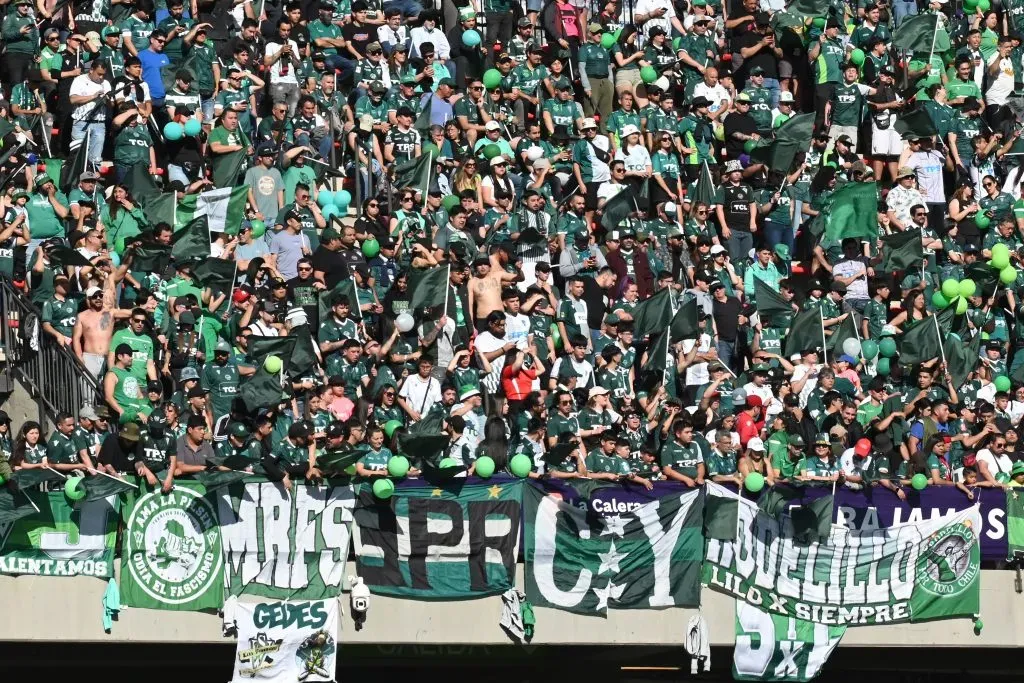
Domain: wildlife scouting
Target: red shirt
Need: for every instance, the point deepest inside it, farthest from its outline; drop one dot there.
(747, 427)
(517, 384)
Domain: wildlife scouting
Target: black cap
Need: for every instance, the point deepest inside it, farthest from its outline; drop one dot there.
(122, 349)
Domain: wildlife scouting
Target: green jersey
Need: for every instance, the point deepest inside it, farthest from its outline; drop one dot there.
(289, 453)
(221, 381)
(683, 458)
(848, 103)
(142, 350)
(61, 315)
(760, 107)
(62, 449)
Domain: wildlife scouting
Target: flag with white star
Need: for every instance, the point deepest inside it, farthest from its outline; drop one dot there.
(616, 548)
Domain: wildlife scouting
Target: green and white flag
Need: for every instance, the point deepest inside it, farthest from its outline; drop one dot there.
(912, 572)
(224, 208)
(61, 540)
(172, 556)
(287, 546)
(776, 648)
(286, 641)
(613, 549)
(1014, 523)
(448, 542)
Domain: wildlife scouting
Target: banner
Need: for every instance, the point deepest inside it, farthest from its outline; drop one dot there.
(1014, 523)
(288, 546)
(460, 541)
(910, 572)
(615, 547)
(878, 508)
(172, 556)
(286, 641)
(777, 648)
(62, 540)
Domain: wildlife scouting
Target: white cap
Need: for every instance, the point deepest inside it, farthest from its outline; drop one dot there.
(717, 249)
(541, 164)
(662, 84)
(588, 123)
(492, 125)
(498, 160)
(670, 207)
(786, 96)
(296, 316)
(755, 444)
(628, 130)
(597, 391)
(92, 291)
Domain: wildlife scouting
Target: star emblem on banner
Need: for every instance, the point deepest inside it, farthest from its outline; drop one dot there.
(610, 560)
(614, 524)
(609, 592)
(436, 493)
(494, 491)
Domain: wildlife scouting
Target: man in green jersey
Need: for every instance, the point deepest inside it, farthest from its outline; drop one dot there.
(122, 389)
(135, 336)
(63, 451)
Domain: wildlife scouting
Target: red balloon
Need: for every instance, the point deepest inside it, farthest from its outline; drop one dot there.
(862, 448)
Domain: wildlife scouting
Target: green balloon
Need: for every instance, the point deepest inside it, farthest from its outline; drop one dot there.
(556, 335)
(961, 306)
(1002, 383)
(390, 426)
(520, 466)
(749, 146)
(1003, 478)
(939, 301)
(1000, 256)
(967, 288)
(607, 41)
(857, 57)
(430, 148)
(984, 5)
(754, 482)
(272, 364)
(258, 228)
(446, 463)
(491, 151)
(648, 74)
(398, 466)
(351, 470)
(919, 481)
(491, 79)
(383, 488)
(981, 220)
(450, 202)
(371, 248)
(970, 5)
(484, 467)
(818, 22)
(74, 489)
(1008, 275)
(869, 349)
(887, 347)
(950, 289)
(883, 366)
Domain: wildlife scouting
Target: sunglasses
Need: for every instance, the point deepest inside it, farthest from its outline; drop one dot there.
(373, 205)
(920, 214)
(305, 268)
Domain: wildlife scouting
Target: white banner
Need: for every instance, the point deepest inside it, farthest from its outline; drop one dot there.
(286, 641)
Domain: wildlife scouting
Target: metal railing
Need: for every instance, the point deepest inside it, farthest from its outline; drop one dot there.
(52, 374)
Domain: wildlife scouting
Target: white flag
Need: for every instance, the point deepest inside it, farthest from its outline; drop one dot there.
(286, 641)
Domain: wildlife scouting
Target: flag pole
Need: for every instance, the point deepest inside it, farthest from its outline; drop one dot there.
(29, 498)
(938, 333)
(110, 476)
(447, 289)
(355, 291)
(59, 474)
(824, 340)
(426, 190)
(935, 35)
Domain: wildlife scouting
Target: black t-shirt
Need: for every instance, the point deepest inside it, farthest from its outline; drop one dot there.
(727, 317)
(359, 36)
(763, 58)
(113, 453)
(595, 298)
(738, 123)
(301, 292)
(333, 265)
(353, 258)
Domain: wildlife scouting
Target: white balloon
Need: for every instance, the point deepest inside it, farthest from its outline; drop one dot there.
(404, 322)
(851, 347)
(534, 153)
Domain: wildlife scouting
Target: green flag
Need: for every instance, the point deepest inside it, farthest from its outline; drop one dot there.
(263, 389)
(686, 322)
(720, 517)
(65, 257)
(335, 462)
(26, 479)
(417, 174)
(148, 257)
(653, 314)
(73, 167)
(618, 209)
(985, 277)
(345, 288)
(1014, 524)
(790, 138)
(227, 168)
(13, 506)
(768, 301)
(902, 250)
(915, 124)
(216, 274)
(922, 341)
(422, 123)
(304, 356)
(705, 189)
(805, 332)
(852, 211)
(845, 330)
(922, 33)
(429, 287)
(961, 358)
(99, 486)
(192, 243)
(812, 520)
(215, 479)
(583, 555)
(808, 8)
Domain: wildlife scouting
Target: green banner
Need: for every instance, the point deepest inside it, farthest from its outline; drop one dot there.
(172, 556)
(455, 542)
(61, 540)
(911, 572)
(617, 547)
(1014, 523)
(285, 545)
(775, 648)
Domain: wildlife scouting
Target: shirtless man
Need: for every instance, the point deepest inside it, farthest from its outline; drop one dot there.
(95, 326)
(489, 278)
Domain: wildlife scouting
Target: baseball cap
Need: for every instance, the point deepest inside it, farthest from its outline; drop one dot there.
(755, 444)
